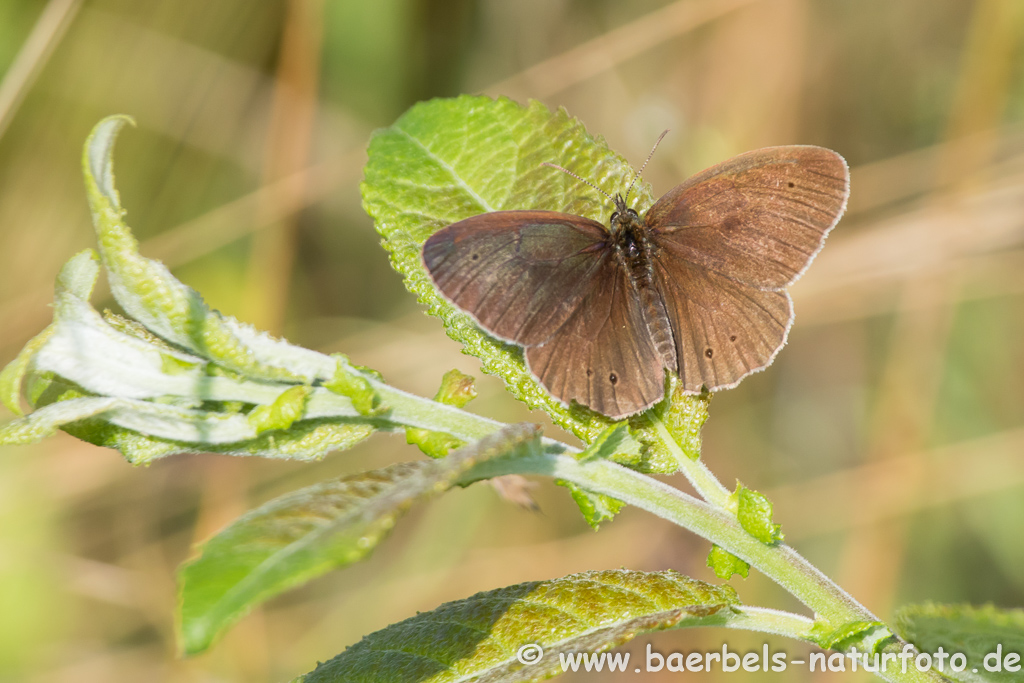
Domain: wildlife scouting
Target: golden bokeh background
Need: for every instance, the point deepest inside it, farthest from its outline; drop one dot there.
(889, 433)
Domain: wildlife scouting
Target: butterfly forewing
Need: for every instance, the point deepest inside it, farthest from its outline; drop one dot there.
(758, 218)
(603, 356)
(521, 274)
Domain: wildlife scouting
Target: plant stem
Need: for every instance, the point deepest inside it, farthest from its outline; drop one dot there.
(779, 562)
(710, 519)
(764, 620)
(699, 476)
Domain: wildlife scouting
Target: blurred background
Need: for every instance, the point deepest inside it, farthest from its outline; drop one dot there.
(889, 433)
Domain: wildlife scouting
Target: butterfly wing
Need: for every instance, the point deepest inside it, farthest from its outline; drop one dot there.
(549, 281)
(723, 329)
(758, 218)
(729, 240)
(520, 274)
(603, 356)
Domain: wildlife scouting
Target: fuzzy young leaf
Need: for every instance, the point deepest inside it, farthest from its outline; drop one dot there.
(76, 278)
(150, 294)
(304, 534)
(307, 440)
(596, 507)
(608, 443)
(432, 444)
(754, 512)
(357, 388)
(112, 423)
(155, 387)
(153, 391)
(445, 160)
(478, 638)
(724, 564)
(457, 389)
(670, 431)
(45, 422)
(987, 636)
(283, 412)
(12, 375)
(842, 637)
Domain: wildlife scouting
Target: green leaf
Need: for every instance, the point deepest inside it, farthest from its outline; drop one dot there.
(670, 431)
(87, 351)
(77, 277)
(150, 294)
(155, 390)
(724, 564)
(356, 387)
(283, 412)
(840, 638)
(304, 534)
(309, 440)
(13, 374)
(754, 512)
(45, 422)
(457, 389)
(116, 423)
(608, 443)
(432, 444)
(989, 638)
(596, 507)
(478, 638)
(445, 160)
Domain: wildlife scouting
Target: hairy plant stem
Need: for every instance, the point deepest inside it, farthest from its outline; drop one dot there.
(699, 476)
(779, 562)
(709, 520)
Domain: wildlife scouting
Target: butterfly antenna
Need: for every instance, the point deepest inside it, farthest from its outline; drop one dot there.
(582, 180)
(656, 143)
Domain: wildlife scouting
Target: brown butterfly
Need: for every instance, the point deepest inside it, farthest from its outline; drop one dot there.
(696, 285)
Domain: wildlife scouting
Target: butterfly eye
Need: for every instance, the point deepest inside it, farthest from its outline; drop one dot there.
(615, 216)
(632, 213)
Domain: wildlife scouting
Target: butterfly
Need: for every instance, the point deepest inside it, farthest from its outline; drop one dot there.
(696, 286)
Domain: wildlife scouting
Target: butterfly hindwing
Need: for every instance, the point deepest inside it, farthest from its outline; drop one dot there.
(603, 356)
(723, 329)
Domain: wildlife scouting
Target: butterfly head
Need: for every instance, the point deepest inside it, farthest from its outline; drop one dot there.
(623, 217)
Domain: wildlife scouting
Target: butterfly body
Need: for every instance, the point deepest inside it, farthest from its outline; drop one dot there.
(695, 286)
(636, 255)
